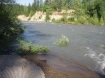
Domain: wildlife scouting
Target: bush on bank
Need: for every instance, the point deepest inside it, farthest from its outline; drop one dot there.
(28, 48)
(81, 20)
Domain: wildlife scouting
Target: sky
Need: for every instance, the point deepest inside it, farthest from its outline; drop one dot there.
(24, 2)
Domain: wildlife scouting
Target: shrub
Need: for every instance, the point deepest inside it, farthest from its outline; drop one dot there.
(39, 49)
(47, 17)
(53, 20)
(28, 48)
(102, 22)
(82, 19)
(64, 19)
(24, 47)
(71, 19)
(57, 21)
(93, 20)
(40, 16)
(63, 41)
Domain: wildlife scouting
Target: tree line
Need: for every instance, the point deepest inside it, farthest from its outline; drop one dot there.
(90, 9)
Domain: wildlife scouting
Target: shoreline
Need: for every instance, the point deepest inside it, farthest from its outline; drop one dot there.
(56, 67)
(64, 23)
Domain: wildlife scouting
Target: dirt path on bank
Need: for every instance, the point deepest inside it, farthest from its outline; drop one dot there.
(55, 67)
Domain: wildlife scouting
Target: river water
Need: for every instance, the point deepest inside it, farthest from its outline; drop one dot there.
(87, 43)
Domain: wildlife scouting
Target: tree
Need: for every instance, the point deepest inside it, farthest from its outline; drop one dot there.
(29, 9)
(99, 6)
(84, 2)
(9, 24)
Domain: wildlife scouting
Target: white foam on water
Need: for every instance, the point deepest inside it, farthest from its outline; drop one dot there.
(98, 58)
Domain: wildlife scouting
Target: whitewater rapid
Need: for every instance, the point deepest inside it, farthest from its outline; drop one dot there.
(99, 58)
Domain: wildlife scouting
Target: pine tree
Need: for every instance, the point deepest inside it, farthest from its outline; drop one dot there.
(9, 24)
(29, 9)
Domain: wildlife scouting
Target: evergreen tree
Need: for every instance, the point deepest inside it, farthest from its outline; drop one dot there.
(29, 9)
(8, 21)
(99, 6)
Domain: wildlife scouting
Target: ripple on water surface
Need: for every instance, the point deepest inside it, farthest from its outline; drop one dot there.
(99, 58)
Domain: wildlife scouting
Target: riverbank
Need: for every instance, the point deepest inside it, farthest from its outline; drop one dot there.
(40, 16)
(64, 16)
(56, 67)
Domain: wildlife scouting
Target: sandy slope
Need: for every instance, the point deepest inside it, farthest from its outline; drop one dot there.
(40, 16)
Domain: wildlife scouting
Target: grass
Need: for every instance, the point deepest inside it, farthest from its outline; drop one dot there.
(63, 41)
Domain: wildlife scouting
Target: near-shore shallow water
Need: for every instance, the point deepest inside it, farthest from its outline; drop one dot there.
(87, 42)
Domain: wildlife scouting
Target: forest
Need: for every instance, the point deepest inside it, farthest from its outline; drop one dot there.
(86, 11)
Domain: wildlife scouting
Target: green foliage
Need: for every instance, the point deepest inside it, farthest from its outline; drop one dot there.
(82, 20)
(48, 11)
(56, 21)
(26, 13)
(44, 8)
(29, 9)
(53, 20)
(71, 19)
(28, 48)
(39, 49)
(64, 19)
(9, 24)
(40, 16)
(93, 20)
(24, 47)
(63, 41)
(31, 13)
(85, 10)
(47, 17)
(102, 21)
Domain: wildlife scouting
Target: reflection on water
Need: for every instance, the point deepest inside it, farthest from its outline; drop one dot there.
(84, 40)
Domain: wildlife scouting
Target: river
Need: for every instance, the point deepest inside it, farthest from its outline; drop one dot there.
(87, 42)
